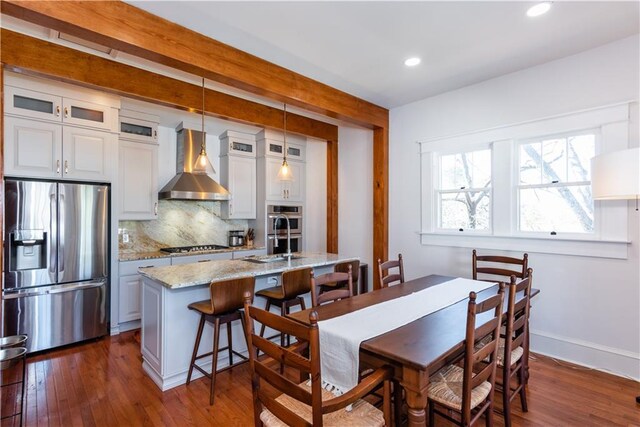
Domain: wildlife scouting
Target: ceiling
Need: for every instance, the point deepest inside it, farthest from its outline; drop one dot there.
(360, 47)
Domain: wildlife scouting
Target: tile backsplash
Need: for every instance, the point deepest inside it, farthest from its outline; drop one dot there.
(179, 223)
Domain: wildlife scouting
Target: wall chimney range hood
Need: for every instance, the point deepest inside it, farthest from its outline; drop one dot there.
(187, 185)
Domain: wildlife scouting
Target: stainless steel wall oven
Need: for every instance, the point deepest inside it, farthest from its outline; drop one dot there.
(277, 228)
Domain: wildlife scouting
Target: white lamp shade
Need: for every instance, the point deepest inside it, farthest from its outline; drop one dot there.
(616, 176)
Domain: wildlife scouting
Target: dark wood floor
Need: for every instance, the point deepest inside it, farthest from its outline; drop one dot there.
(102, 384)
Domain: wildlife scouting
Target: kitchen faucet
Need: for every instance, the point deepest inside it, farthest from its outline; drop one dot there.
(275, 243)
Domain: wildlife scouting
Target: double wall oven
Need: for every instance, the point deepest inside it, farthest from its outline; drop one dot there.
(277, 228)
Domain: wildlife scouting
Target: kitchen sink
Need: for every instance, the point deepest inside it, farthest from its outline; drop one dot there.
(265, 259)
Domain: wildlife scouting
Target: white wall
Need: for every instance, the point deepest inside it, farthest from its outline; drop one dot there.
(355, 194)
(316, 196)
(588, 310)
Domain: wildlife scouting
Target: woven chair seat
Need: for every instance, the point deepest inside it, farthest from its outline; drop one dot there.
(445, 387)
(363, 414)
(516, 353)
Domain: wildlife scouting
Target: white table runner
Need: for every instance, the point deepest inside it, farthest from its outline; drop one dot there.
(340, 337)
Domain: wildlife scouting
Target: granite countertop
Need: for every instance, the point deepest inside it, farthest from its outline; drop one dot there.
(196, 274)
(137, 256)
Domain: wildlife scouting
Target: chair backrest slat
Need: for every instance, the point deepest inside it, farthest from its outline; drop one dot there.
(499, 270)
(390, 278)
(281, 382)
(276, 352)
(289, 327)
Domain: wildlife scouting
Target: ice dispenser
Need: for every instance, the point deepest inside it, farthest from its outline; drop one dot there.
(28, 250)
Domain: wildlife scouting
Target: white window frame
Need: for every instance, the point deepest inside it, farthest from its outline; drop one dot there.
(517, 186)
(610, 238)
(437, 191)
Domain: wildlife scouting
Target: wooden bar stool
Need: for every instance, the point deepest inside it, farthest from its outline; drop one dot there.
(227, 298)
(295, 283)
(343, 267)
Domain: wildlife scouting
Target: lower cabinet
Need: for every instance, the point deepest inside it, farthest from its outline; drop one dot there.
(130, 285)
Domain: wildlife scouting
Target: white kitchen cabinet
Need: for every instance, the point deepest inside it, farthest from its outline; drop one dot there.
(238, 175)
(51, 107)
(36, 105)
(283, 191)
(130, 286)
(138, 126)
(32, 148)
(49, 150)
(138, 178)
(188, 259)
(87, 154)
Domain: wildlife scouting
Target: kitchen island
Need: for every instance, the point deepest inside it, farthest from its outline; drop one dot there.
(169, 327)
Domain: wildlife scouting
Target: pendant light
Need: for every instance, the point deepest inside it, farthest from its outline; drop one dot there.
(202, 164)
(284, 174)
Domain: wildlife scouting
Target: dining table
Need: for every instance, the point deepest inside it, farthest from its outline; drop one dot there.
(416, 350)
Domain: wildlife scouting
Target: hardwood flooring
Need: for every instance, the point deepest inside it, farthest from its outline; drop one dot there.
(101, 383)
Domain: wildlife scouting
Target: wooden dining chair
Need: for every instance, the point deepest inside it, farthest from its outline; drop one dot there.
(513, 348)
(307, 403)
(388, 278)
(468, 390)
(321, 294)
(494, 265)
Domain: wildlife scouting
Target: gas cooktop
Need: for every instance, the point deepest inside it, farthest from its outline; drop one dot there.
(195, 249)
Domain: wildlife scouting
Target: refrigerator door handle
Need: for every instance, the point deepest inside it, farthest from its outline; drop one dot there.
(58, 289)
(61, 234)
(52, 239)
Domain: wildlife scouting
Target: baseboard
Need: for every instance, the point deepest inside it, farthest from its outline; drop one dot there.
(115, 330)
(129, 326)
(180, 378)
(611, 360)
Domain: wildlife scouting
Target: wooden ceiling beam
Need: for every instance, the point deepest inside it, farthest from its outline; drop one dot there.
(44, 58)
(128, 29)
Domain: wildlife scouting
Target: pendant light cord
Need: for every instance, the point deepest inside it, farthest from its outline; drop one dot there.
(285, 132)
(202, 143)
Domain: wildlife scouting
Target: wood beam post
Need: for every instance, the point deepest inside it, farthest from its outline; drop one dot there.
(380, 199)
(332, 196)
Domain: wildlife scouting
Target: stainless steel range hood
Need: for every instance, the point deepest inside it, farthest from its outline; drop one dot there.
(187, 185)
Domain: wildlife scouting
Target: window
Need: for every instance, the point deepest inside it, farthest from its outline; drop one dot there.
(463, 196)
(554, 185)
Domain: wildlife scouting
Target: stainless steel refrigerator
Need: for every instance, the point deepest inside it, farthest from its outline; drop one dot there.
(56, 263)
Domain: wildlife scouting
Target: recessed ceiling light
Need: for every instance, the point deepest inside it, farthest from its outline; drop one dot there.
(539, 9)
(412, 62)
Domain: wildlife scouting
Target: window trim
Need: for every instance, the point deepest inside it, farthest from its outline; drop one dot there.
(611, 237)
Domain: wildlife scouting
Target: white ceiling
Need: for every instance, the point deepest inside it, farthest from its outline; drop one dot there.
(359, 47)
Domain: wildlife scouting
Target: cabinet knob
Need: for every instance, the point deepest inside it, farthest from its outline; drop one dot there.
(155, 208)
(155, 134)
(66, 167)
(57, 111)
(57, 166)
(66, 112)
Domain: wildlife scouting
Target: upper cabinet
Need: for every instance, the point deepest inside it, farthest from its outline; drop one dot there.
(270, 153)
(49, 150)
(58, 131)
(238, 174)
(44, 106)
(138, 166)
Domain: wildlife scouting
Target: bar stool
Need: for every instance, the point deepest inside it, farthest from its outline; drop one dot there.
(11, 355)
(227, 298)
(295, 283)
(343, 267)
